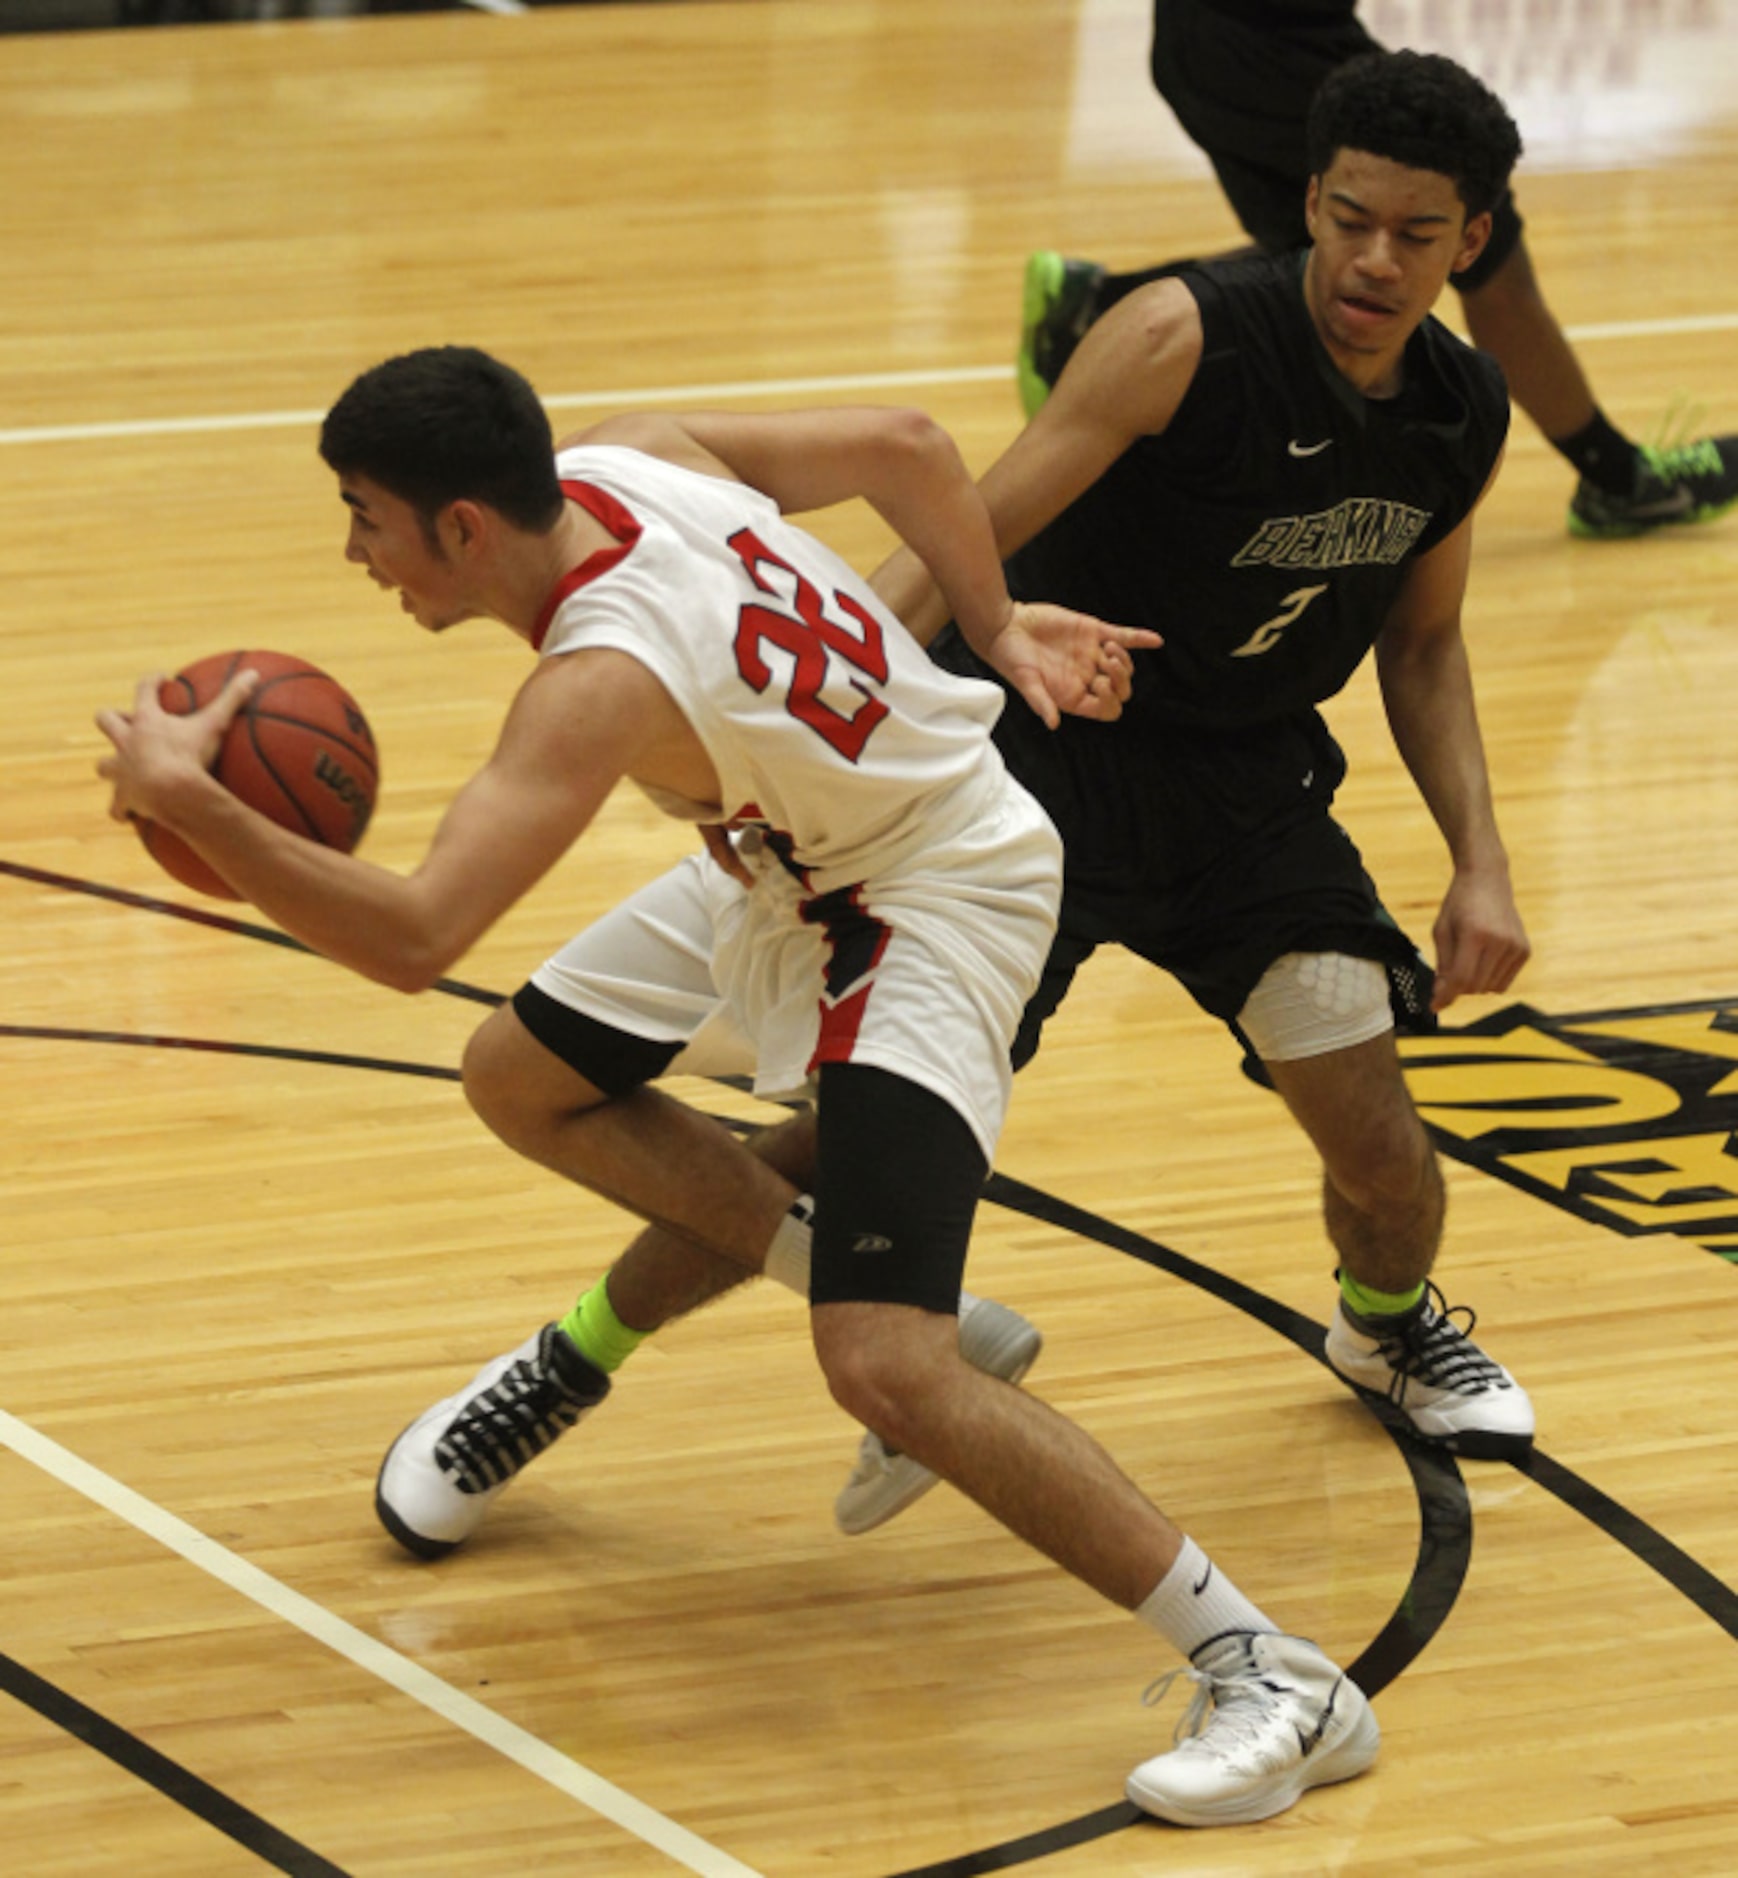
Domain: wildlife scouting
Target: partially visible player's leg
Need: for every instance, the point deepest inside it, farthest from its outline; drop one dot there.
(1311, 1020)
(560, 1076)
(661, 1277)
(1321, 1024)
(999, 1341)
(894, 1204)
(659, 1158)
(718, 1208)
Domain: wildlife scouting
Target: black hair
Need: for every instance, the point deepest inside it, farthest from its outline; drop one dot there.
(446, 423)
(1420, 110)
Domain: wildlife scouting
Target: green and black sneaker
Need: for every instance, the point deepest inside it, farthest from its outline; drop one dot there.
(1687, 482)
(1058, 302)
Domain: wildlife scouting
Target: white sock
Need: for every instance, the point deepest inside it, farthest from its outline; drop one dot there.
(1194, 1603)
(787, 1258)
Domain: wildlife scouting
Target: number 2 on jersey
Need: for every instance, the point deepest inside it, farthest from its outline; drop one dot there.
(1266, 635)
(808, 635)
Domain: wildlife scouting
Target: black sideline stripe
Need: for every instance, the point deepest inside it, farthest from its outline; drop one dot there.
(1654, 1549)
(222, 922)
(170, 1779)
(1052, 1839)
(142, 1040)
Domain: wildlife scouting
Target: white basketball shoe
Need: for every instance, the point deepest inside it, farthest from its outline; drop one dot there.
(1271, 1718)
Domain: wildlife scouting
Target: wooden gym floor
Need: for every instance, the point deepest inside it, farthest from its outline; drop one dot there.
(250, 1227)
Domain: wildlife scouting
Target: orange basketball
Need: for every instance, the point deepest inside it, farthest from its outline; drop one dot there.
(300, 751)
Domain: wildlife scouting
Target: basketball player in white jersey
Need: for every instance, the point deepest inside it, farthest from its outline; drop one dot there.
(901, 895)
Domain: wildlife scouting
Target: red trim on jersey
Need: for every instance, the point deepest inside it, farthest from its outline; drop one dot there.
(621, 522)
(840, 1024)
(857, 942)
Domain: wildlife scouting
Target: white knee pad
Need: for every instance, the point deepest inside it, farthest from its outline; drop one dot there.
(1309, 1003)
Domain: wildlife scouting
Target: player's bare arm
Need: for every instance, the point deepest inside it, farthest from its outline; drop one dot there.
(1426, 680)
(1125, 381)
(910, 471)
(578, 725)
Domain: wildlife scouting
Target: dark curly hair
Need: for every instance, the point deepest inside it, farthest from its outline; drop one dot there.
(1420, 110)
(446, 423)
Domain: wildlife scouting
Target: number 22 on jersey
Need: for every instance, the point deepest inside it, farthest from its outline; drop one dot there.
(809, 636)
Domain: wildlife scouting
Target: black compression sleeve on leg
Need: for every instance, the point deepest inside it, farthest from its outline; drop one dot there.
(899, 1176)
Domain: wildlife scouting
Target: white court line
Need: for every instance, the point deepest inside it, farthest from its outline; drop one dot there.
(1648, 329)
(625, 400)
(367, 1653)
(827, 385)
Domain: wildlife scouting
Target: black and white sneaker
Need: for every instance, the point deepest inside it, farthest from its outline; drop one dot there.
(1428, 1366)
(440, 1475)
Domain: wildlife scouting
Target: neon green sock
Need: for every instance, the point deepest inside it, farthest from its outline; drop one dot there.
(598, 1334)
(1363, 1301)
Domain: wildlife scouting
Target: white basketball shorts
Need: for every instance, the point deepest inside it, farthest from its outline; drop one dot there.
(923, 973)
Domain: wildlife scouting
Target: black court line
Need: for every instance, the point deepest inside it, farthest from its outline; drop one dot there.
(1445, 1513)
(170, 1779)
(1654, 1549)
(222, 922)
(143, 1040)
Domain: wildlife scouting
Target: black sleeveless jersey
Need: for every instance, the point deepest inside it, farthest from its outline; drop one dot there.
(1267, 530)
(1265, 534)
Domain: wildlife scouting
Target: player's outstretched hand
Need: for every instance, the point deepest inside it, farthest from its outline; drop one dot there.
(1480, 942)
(154, 746)
(1059, 660)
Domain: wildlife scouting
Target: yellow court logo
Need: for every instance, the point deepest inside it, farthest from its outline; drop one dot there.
(1628, 1118)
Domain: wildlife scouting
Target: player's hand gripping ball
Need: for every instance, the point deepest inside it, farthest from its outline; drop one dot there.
(299, 750)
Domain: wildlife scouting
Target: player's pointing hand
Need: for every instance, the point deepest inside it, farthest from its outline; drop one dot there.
(1059, 660)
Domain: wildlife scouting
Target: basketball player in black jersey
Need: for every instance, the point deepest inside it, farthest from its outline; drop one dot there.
(1239, 75)
(1274, 461)
(1275, 464)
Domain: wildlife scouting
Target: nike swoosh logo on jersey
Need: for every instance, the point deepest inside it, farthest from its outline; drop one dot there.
(1308, 449)
(871, 1242)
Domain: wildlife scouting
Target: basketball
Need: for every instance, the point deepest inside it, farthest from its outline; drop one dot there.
(299, 751)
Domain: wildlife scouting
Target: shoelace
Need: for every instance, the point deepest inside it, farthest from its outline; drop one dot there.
(1674, 453)
(1434, 1350)
(1679, 422)
(1671, 465)
(506, 1425)
(1240, 1713)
